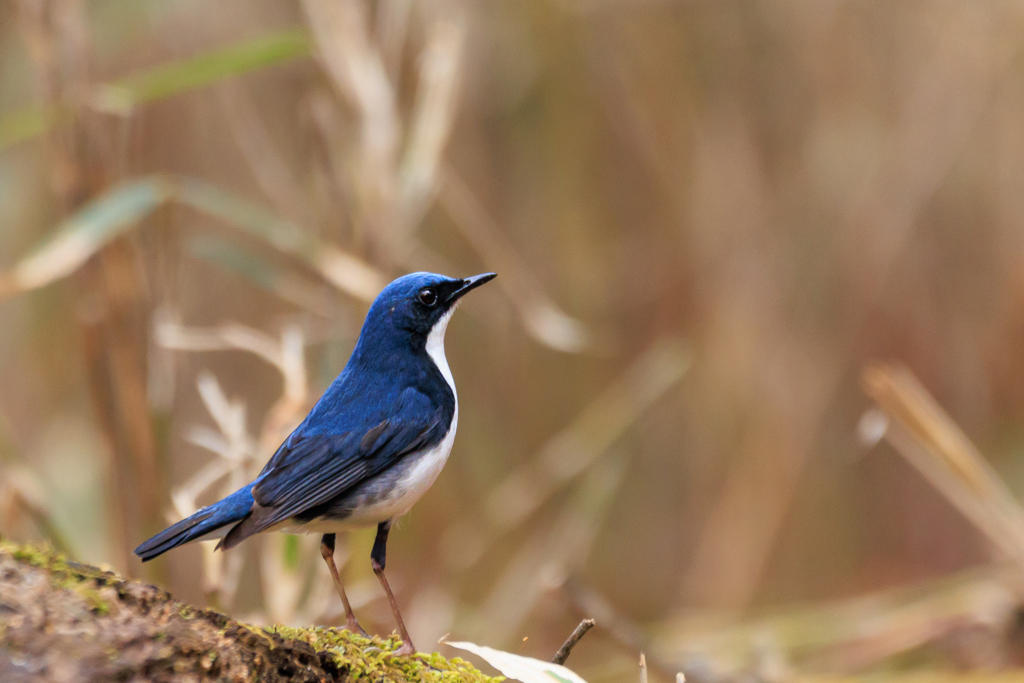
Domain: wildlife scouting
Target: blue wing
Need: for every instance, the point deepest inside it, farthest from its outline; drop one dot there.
(313, 465)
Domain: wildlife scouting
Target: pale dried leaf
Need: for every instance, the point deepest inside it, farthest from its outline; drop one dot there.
(553, 328)
(349, 274)
(520, 668)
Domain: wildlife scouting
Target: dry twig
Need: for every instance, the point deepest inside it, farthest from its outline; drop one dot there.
(570, 642)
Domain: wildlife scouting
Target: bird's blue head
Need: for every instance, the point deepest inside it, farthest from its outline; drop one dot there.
(416, 304)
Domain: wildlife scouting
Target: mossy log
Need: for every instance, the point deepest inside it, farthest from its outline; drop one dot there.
(64, 621)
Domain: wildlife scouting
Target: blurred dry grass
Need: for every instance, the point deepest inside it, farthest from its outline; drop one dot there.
(199, 199)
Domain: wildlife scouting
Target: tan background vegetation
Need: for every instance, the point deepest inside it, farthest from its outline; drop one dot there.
(708, 217)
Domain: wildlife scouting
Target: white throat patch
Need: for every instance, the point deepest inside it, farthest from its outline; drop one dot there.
(435, 349)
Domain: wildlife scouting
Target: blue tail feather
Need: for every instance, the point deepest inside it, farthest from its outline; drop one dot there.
(230, 510)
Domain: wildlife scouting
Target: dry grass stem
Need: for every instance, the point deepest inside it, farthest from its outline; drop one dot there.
(560, 550)
(937, 114)
(266, 162)
(929, 439)
(238, 454)
(573, 450)
(843, 635)
(436, 101)
(541, 316)
(392, 27)
(346, 50)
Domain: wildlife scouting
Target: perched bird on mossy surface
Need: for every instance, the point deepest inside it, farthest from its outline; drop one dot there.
(370, 448)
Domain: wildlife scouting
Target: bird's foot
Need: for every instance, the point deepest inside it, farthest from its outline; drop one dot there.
(352, 625)
(407, 649)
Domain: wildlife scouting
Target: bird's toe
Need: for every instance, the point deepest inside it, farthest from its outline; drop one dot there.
(353, 626)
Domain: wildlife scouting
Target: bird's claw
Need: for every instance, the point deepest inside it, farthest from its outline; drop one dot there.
(353, 626)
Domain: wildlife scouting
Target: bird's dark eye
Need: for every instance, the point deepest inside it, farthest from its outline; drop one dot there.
(428, 296)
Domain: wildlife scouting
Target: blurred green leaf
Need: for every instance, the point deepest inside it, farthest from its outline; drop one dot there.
(26, 124)
(232, 258)
(291, 552)
(176, 77)
(279, 232)
(84, 233)
(119, 209)
(271, 277)
(346, 272)
(164, 81)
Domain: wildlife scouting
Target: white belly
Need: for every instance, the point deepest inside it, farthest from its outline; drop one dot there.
(410, 488)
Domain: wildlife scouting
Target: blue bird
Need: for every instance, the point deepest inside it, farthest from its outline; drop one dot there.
(370, 447)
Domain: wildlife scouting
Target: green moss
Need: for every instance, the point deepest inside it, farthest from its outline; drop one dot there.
(67, 573)
(92, 598)
(374, 658)
(80, 578)
(44, 558)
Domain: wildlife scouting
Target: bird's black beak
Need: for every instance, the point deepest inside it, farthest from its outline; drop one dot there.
(469, 284)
